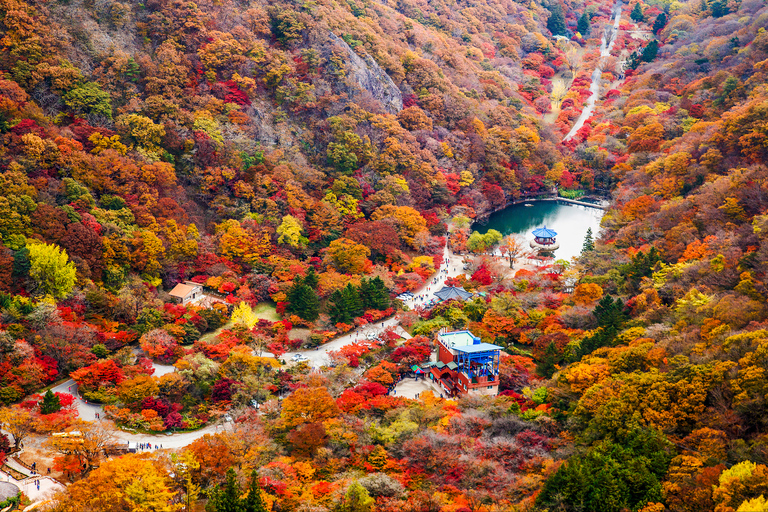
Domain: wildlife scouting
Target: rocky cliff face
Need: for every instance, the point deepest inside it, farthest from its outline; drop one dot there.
(365, 77)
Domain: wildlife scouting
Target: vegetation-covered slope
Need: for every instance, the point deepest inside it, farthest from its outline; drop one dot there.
(315, 155)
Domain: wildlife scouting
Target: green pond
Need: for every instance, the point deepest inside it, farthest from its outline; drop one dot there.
(569, 221)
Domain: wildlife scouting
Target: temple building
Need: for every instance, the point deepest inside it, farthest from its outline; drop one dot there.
(544, 240)
(465, 365)
(453, 292)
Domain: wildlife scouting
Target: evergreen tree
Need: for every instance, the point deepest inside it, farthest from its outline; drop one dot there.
(589, 243)
(254, 502)
(227, 499)
(311, 278)
(21, 263)
(556, 21)
(337, 309)
(650, 51)
(609, 312)
(345, 305)
(637, 13)
(352, 299)
(660, 23)
(307, 304)
(719, 8)
(302, 298)
(50, 403)
(547, 365)
(583, 25)
(374, 294)
(641, 266)
(610, 476)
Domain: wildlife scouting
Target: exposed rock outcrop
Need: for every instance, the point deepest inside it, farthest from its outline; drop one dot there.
(365, 77)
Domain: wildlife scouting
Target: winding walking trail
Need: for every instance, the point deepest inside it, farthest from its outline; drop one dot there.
(315, 357)
(606, 45)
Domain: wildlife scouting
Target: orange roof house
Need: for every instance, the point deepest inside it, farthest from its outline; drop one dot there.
(187, 292)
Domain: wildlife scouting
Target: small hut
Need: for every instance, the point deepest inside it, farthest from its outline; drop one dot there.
(544, 240)
(187, 292)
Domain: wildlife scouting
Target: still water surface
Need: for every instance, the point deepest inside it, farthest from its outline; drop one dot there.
(570, 222)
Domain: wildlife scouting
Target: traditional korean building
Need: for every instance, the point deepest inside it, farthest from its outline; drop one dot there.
(453, 292)
(465, 365)
(544, 239)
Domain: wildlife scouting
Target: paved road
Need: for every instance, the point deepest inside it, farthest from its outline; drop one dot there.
(319, 357)
(426, 293)
(170, 440)
(422, 296)
(316, 359)
(47, 488)
(87, 410)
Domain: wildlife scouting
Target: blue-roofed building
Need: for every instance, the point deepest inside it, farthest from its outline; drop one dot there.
(544, 239)
(466, 365)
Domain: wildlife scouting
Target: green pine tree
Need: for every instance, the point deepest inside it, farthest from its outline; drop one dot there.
(302, 298)
(374, 294)
(556, 21)
(589, 243)
(352, 301)
(337, 309)
(306, 304)
(719, 8)
(547, 364)
(311, 278)
(609, 312)
(345, 305)
(650, 51)
(659, 23)
(50, 403)
(254, 502)
(637, 13)
(583, 25)
(227, 499)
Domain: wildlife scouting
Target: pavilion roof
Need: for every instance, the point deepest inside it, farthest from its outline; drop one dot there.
(544, 233)
(453, 292)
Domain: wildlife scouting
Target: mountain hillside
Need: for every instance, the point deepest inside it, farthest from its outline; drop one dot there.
(302, 166)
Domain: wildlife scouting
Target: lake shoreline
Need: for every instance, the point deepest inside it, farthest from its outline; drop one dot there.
(483, 219)
(569, 218)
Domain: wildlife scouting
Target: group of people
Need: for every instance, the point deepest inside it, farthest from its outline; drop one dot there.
(148, 446)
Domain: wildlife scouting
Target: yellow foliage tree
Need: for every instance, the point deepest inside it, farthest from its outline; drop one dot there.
(409, 221)
(347, 255)
(244, 315)
(132, 483)
(308, 405)
(587, 293)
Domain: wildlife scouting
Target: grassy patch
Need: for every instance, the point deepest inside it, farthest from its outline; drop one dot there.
(266, 311)
(16, 475)
(212, 335)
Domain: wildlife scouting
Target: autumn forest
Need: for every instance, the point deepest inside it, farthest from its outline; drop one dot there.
(223, 224)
